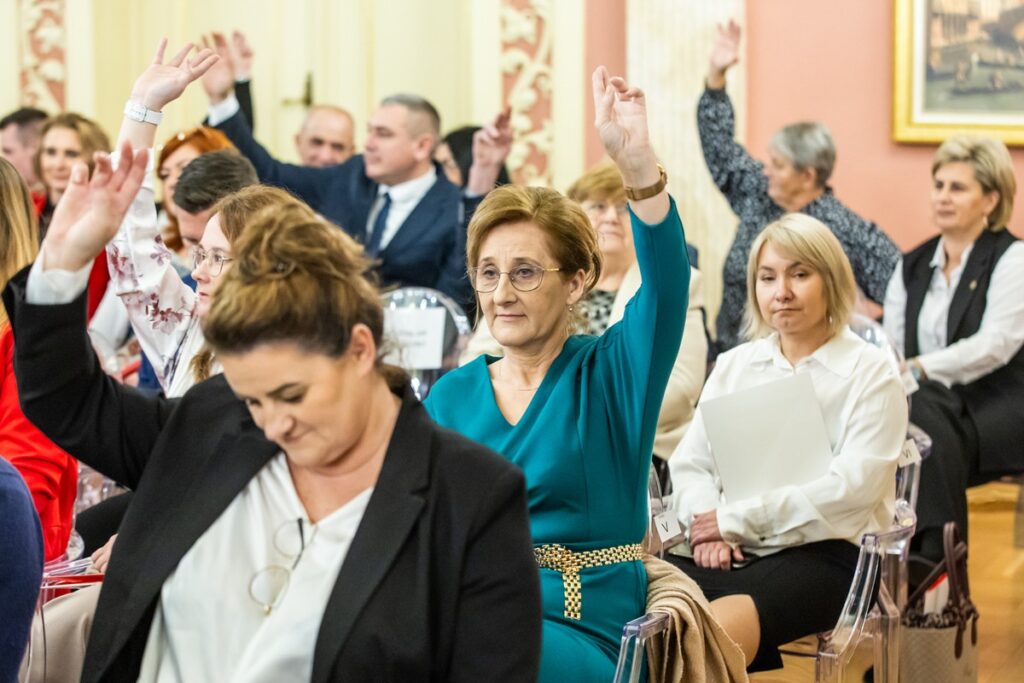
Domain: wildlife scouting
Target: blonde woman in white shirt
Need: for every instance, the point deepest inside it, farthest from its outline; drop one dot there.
(795, 546)
(955, 307)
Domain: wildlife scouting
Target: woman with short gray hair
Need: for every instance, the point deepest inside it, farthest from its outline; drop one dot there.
(801, 159)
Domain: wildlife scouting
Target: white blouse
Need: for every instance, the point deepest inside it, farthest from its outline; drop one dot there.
(865, 413)
(207, 626)
(997, 340)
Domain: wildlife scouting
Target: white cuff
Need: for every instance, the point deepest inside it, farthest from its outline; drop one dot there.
(54, 286)
(222, 111)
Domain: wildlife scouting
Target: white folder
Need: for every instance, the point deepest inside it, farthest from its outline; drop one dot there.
(769, 436)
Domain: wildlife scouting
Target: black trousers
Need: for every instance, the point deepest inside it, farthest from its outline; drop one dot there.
(949, 470)
(97, 524)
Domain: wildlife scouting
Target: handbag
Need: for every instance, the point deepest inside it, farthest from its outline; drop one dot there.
(942, 647)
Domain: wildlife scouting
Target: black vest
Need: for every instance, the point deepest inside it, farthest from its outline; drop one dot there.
(995, 402)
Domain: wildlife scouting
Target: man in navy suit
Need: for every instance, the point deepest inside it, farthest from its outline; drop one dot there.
(393, 198)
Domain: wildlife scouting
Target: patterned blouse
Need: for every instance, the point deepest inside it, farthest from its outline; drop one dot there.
(741, 179)
(160, 306)
(597, 309)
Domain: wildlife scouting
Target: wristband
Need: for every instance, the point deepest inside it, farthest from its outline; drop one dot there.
(139, 112)
(636, 194)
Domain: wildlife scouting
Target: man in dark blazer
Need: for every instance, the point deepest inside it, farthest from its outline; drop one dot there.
(393, 198)
(439, 582)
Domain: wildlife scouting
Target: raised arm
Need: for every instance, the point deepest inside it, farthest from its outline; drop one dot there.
(159, 304)
(309, 184)
(63, 389)
(636, 354)
(738, 175)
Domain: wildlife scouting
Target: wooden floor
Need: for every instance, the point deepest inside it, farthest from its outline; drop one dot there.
(996, 569)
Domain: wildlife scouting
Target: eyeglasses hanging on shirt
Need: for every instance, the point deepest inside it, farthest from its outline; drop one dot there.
(268, 586)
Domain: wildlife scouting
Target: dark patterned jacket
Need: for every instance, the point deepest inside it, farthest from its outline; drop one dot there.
(741, 179)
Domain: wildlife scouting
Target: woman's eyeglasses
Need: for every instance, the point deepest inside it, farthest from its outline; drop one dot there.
(268, 586)
(525, 278)
(214, 259)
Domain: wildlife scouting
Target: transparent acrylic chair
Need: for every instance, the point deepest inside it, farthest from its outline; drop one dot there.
(59, 578)
(878, 593)
(425, 333)
(636, 633)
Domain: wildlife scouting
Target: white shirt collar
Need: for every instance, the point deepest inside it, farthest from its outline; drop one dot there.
(838, 355)
(411, 190)
(939, 257)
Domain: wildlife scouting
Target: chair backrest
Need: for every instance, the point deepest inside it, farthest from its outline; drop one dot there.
(878, 592)
(425, 333)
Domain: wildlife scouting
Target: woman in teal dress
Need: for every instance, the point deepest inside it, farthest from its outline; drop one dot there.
(576, 413)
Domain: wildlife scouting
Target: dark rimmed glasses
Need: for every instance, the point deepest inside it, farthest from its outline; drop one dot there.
(524, 278)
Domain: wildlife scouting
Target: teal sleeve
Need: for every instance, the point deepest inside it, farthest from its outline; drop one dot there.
(635, 356)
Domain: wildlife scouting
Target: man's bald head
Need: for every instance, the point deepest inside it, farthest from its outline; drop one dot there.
(326, 137)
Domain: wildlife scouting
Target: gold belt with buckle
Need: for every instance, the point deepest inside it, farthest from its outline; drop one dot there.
(569, 563)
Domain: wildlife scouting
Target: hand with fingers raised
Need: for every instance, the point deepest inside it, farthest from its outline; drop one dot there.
(90, 210)
(219, 80)
(724, 53)
(241, 56)
(621, 121)
(162, 83)
(491, 146)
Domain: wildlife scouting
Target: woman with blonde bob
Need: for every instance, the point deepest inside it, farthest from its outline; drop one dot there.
(955, 307)
(801, 541)
(316, 503)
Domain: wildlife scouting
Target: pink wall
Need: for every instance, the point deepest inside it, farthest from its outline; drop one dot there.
(605, 43)
(832, 61)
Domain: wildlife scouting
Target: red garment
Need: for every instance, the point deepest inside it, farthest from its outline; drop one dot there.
(51, 474)
(99, 276)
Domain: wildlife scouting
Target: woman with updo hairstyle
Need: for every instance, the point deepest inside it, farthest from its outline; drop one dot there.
(955, 308)
(577, 413)
(777, 565)
(299, 517)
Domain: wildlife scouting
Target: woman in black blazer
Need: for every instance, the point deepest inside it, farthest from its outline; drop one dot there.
(955, 309)
(407, 556)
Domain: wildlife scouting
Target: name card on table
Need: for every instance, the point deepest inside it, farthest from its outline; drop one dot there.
(416, 336)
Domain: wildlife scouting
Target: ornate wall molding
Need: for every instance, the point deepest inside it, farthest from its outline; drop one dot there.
(42, 54)
(526, 74)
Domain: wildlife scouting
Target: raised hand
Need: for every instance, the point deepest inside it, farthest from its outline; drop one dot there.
(492, 143)
(724, 53)
(621, 121)
(241, 56)
(491, 146)
(219, 81)
(162, 83)
(90, 210)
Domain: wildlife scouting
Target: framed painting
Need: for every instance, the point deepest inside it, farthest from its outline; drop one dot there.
(959, 67)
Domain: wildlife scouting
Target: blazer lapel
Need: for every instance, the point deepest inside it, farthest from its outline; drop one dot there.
(976, 267)
(427, 215)
(394, 507)
(230, 466)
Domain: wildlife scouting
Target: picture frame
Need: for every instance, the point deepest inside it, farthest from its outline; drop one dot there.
(958, 67)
